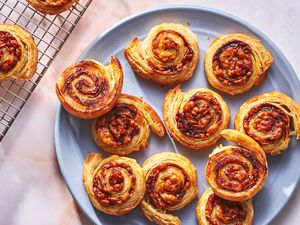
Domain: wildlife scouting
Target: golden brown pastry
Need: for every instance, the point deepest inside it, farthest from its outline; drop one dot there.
(196, 117)
(168, 55)
(88, 89)
(270, 119)
(126, 128)
(115, 185)
(237, 173)
(18, 53)
(51, 7)
(235, 62)
(171, 183)
(213, 210)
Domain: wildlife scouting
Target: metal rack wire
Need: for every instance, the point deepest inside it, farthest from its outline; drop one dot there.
(49, 33)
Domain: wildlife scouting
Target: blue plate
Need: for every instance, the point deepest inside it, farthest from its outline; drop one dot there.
(73, 140)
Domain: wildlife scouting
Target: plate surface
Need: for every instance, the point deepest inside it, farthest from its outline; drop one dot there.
(73, 139)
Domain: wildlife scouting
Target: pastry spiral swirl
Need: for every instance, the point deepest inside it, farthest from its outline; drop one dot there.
(126, 128)
(235, 62)
(171, 183)
(88, 89)
(237, 173)
(213, 210)
(195, 118)
(51, 7)
(18, 53)
(270, 119)
(115, 185)
(167, 56)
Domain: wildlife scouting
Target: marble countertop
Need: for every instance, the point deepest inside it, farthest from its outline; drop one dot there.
(32, 191)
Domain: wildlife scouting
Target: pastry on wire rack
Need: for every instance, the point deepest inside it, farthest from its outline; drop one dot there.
(18, 53)
(51, 7)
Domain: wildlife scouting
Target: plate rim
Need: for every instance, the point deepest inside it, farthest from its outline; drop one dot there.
(170, 7)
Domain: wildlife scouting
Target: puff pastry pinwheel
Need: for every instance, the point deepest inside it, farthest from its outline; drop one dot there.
(237, 173)
(51, 7)
(126, 128)
(171, 183)
(196, 117)
(168, 55)
(213, 210)
(270, 118)
(235, 62)
(18, 53)
(88, 89)
(115, 185)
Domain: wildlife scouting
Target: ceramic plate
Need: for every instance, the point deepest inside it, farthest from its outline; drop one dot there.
(73, 139)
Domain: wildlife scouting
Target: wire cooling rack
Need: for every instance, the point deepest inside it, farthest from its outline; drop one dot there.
(49, 33)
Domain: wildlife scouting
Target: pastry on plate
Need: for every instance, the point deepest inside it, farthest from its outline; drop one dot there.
(168, 55)
(88, 89)
(237, 173)
(235, 62)
(18, 53)
(115, 185)
(270, 118)
(126, 128)
(195, 118)
(213, 210)
(171, 183)
(51, 7)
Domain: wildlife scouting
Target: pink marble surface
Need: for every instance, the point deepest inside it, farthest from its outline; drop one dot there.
(32, 191)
